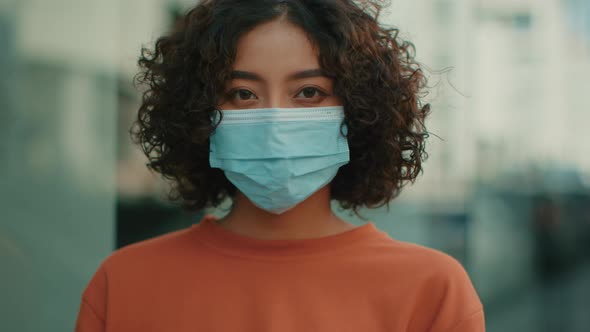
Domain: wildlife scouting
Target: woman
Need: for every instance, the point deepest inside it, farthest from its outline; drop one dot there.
(281, 106)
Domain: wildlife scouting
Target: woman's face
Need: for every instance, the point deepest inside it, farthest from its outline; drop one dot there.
(276, 65)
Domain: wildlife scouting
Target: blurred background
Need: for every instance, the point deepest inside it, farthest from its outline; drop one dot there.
(506, 189)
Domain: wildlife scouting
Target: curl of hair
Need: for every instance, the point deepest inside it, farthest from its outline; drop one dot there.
(375, 75)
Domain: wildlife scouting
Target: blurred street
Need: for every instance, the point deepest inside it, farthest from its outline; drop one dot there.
(562, 306)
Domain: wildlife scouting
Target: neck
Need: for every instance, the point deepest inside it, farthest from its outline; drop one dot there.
(310, 218)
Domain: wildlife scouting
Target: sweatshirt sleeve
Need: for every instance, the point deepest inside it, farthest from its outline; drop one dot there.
(474, 322)
(459, 308)
(92, 312)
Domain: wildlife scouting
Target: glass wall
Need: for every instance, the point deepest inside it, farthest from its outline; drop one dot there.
(73, 188)
(57, 192)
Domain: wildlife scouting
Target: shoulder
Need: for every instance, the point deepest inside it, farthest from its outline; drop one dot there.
(125, 266)
(432, 274)
(141, 258)
(149, 252)
(420, 260)
(443, 295)
(442, 274)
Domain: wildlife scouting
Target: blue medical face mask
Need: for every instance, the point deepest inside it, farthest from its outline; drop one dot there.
(278, 157)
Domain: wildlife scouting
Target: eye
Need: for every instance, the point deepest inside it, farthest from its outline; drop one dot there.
(242, 94)
(310, 92)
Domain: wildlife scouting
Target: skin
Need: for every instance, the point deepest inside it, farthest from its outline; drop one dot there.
(267, 59)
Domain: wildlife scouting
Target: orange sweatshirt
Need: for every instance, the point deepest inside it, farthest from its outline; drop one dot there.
(206, 278)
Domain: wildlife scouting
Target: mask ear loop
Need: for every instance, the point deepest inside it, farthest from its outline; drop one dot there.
(216, 118)
(344, 126)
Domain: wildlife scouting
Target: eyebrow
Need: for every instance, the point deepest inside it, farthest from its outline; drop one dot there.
(246, 75)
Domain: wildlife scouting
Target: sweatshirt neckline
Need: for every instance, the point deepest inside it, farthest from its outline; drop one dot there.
(231, 243)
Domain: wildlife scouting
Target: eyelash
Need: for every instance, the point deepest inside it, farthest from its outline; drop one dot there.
(232, 93)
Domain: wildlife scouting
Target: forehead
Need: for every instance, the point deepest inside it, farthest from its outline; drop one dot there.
(275, 47)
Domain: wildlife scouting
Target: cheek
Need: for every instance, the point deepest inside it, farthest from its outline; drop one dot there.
(333, 100)
(221, 105)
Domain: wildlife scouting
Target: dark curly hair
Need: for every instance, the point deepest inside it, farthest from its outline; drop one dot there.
(374, 72)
